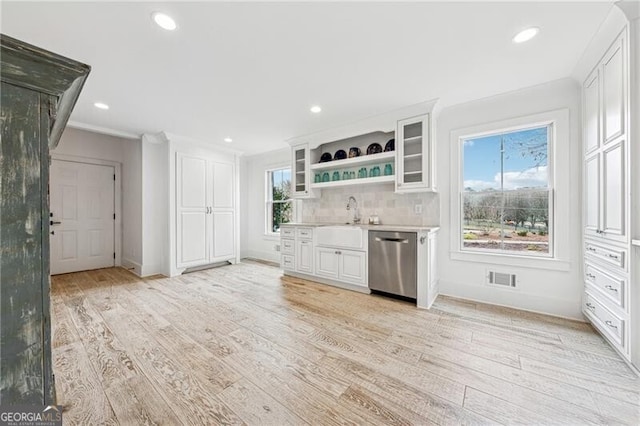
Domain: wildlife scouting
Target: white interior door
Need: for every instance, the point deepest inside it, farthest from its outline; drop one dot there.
(82, 215)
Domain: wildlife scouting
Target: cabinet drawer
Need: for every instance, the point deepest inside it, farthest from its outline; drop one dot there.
(615, 288)
(287, 232)
(305, 233)
(287, 246)
(288, 262)
(610, 255)
(606, 321)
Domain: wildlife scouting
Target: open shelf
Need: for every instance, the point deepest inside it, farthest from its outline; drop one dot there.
(413, 139)
(355, 161)
(349, 182)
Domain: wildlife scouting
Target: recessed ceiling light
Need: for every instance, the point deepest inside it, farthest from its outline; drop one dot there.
(315, 109)
(164, 21)
(228, 140)
(526, 35)
(101, 105)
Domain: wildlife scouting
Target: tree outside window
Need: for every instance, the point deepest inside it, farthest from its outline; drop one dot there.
(279, 205)
(507, 192)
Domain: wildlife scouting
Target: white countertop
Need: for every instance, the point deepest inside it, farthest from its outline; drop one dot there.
(397, 228)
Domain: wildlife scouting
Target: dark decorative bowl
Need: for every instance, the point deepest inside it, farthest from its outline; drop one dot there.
(390, 146)
(325, 157)
(354, 152)
(374, 148)
(340, 155)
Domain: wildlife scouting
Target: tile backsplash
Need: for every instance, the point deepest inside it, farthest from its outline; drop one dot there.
(380, 199)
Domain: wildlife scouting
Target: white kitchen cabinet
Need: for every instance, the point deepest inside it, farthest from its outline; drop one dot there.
(614, 212)
(606, 220)
(348, 266)
(606, 173)
(414, 171)
(204, 211)
(304, 256)
(223, 235)
(327, 262)
(223, 186)
(614, 91)
(352, 267)
(591, 100)
(300, 172)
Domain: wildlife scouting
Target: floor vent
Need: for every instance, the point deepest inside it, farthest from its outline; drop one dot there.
(501, 279)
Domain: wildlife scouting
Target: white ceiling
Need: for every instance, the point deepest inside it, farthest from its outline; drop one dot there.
(252, 70)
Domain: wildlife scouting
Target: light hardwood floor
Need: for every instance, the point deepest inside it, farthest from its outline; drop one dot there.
(241, 344)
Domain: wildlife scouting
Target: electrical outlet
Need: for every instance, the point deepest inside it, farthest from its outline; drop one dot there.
(417, 209)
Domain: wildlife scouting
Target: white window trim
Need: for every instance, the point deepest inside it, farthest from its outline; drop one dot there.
(559, 154)
(268, 201)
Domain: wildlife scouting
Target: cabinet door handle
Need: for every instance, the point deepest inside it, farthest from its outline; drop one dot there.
(590, 306)
(608, 287)
(613, 256)
(610, 324)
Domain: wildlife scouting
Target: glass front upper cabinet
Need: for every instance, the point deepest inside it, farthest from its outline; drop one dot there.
(413, 145)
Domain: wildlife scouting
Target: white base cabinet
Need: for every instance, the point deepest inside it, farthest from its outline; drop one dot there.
(304, 256)
(310, 254)
(342, 265)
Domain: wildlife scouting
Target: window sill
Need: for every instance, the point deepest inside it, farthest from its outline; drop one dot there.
(548, 263)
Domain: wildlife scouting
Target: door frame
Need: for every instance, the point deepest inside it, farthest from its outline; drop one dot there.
(117, 195)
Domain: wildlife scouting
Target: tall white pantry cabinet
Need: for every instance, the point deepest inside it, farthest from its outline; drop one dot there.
(611, 296)
(205, 210)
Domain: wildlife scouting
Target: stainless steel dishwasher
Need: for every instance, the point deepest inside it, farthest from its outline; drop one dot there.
(393, 262)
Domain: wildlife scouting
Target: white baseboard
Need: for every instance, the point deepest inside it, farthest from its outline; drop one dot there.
(132, 266)
(262, 255)
(567, 309)
(149, 270)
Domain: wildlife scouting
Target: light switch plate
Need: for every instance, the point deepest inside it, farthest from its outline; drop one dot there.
(417, 209)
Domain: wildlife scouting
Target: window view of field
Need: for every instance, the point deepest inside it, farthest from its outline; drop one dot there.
(506, 193)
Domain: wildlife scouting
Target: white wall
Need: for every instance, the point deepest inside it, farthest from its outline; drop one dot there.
(254, 242)
(81, 143)
(155, 206)
(126, 152)
(543, 290)
(132, 204)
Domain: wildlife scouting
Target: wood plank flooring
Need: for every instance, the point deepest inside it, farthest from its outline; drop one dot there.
(241, 344)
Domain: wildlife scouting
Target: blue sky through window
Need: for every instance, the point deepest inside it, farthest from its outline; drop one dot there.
(525, 160)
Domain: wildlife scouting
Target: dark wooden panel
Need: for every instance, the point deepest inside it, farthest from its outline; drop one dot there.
(28, 66)
(21, 254)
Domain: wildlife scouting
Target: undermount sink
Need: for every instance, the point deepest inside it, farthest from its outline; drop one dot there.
(346, 236)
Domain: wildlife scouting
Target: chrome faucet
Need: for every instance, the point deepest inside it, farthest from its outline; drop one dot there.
(356, 215)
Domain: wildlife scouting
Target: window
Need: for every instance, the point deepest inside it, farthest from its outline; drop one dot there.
(506, 191)
(279, 206)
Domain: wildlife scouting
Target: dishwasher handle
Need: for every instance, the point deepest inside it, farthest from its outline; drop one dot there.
(393, 240)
